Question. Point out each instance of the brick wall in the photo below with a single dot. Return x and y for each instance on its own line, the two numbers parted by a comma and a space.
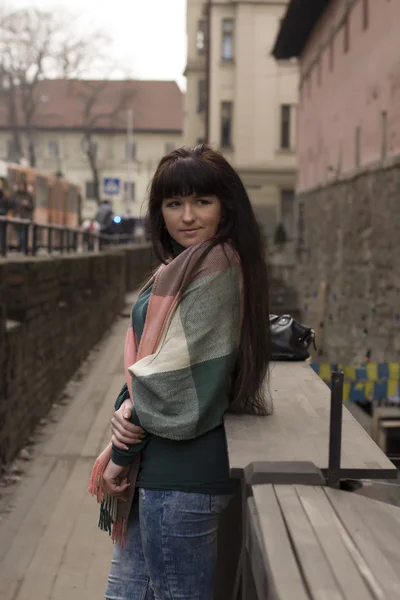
352, 242
52, 312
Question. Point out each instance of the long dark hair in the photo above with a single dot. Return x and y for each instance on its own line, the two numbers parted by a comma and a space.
203, 171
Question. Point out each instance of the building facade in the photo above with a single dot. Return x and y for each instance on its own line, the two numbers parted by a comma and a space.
242, 101
132, 125
349, 173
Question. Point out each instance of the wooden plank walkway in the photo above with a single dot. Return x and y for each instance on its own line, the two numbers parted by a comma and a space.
299, 429
317, 543
50, 546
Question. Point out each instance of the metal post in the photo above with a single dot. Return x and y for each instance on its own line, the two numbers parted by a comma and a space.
49, 240
26, 238
3, 237
34, 238
335, 429
129, 158
207, 10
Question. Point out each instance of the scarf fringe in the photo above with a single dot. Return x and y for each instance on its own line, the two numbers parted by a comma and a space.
119, 531
96, 487
109, 520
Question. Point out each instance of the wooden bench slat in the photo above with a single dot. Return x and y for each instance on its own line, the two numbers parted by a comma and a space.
277, 552
325, 524
316, 568
375, 529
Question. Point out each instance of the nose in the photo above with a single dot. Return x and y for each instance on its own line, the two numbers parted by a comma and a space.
188, 215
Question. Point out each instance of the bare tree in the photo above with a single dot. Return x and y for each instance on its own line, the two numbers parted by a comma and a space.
96, 111
37, 45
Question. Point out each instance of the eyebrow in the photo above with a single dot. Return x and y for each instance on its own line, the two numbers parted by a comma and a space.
180, 197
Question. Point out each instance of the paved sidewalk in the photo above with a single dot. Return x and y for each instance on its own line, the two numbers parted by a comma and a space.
50, 547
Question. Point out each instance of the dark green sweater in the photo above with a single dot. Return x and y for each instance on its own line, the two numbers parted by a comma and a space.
199, 465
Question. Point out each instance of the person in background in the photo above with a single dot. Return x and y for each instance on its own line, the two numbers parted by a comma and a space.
90, 226
23, 207
104, 216
198, 345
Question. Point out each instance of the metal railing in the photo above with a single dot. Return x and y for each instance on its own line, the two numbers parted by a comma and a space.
29, 237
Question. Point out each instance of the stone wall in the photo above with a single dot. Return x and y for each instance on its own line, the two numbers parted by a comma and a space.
352, 242
52, 312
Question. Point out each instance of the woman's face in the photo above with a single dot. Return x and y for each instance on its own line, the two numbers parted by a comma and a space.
191, 219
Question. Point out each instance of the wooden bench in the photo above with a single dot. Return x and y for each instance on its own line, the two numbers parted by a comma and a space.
312, 542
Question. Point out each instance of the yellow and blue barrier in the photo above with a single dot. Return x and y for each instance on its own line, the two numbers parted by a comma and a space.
371, 381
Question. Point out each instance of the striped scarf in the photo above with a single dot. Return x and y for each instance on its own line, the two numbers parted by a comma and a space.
179, 376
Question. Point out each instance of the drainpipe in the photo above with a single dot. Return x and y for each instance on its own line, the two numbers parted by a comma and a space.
208, 71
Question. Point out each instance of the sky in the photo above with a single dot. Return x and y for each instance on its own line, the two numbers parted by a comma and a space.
149, 36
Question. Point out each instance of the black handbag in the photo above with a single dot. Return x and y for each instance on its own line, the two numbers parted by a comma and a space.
290, 340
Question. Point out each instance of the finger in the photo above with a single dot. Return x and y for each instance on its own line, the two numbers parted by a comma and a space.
116, 490
125, 438
130, 435
124, 445
126, 425
119, 444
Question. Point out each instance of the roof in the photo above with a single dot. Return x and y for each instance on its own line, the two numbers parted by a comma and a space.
157, 106
297, 26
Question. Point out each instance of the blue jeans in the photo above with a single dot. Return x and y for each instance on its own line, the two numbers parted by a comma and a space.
171, 548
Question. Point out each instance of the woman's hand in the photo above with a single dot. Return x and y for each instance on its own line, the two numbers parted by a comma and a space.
115, 479
123, 431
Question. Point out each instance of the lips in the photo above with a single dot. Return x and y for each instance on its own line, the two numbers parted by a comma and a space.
189, 230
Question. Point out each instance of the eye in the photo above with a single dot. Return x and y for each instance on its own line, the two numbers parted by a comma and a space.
172, 204
204, 201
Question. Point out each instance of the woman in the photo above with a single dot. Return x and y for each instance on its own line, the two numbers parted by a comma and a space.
198, 346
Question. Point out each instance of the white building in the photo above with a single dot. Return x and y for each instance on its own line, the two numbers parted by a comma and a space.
65, 110
243, 101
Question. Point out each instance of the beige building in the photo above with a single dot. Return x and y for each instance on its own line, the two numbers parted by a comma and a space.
125, 162
243, 101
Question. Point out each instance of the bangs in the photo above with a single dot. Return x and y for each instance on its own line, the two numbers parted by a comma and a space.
187, 177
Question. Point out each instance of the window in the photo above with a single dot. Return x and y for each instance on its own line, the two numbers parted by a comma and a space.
201, 96
384, 134
89, 190
130, 151
12, 153
346, 34
129, 190
226, 124
227, 39
331, 52
53, 149
365, 14
89, 146
201, 37
169, 147
287, 211
357, 147
285, 126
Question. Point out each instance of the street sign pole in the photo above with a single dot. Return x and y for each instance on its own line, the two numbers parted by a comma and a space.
128, 185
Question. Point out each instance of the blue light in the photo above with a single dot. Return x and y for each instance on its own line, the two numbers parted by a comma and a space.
117, 219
